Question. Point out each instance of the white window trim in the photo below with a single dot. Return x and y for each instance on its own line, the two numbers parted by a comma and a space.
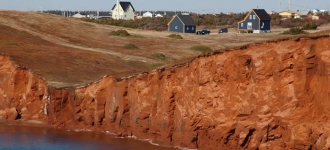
242, 24
250, 17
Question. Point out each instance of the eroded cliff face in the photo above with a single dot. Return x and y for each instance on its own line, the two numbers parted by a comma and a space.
268, 96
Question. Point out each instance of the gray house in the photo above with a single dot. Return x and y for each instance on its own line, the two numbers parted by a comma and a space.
256, 21
182, 24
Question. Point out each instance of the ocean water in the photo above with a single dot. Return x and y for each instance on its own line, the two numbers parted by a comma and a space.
41, 138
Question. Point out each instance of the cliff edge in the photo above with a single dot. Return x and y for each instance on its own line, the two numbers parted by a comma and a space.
272, 95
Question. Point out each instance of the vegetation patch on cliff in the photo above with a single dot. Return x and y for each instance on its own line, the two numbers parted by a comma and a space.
294, 31
123, 33
201, 48
175, 36
130, 46
309, 26
9, 43
159, 56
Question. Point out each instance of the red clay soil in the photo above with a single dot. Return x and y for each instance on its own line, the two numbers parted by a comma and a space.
271, 95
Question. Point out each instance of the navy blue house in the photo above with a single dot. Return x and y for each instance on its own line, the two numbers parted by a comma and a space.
182, 24
257, 20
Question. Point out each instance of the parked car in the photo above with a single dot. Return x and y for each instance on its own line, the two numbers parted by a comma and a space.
203, 32
223, 30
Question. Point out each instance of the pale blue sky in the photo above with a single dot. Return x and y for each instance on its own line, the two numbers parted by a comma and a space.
198, 6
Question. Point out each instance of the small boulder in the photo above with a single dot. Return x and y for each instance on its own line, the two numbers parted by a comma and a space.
10, 114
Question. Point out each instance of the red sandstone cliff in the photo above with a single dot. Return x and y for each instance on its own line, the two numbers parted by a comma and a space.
267, 96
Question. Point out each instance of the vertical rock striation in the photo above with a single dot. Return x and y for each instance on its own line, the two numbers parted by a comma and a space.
268, 96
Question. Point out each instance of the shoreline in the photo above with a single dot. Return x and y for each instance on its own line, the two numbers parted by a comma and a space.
37, 123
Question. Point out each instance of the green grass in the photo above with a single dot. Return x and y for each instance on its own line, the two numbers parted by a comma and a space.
130, 46
175, 36
309, 26
294, 31
159, 56
201, 48
37, 37
9, 44
122, 33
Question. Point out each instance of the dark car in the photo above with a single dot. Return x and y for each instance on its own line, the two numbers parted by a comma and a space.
203, 32
223, 30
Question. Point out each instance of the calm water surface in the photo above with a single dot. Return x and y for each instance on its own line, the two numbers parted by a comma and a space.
40, 138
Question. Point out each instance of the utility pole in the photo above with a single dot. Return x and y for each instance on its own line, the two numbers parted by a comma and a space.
289, 4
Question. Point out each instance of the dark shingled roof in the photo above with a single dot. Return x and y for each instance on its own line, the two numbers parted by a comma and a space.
187, 20
262, 14
124, 5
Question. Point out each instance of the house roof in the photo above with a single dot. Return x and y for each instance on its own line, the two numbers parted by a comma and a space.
262, 14
124, 5
186, 20
299, 12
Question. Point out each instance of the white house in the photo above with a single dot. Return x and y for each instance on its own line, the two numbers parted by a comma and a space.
158, 15
147, 14
79, 15
123, 10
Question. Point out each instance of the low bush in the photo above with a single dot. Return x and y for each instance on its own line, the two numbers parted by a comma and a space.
175, 36
131, 46
201, 48
159, 56
294, 31
120, 33
309, 26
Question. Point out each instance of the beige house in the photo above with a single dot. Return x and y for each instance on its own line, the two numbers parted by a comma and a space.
314, 17
297, 14
123, 10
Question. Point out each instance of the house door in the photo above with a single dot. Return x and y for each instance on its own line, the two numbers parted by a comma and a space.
249, 25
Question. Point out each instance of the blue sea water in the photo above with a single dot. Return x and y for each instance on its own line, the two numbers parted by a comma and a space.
40, 138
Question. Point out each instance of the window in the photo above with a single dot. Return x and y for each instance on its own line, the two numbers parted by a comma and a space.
187, 28
262, 25
192, 28
250, 16
254, 17
249, 25
176, 27
242, 24
125, 16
